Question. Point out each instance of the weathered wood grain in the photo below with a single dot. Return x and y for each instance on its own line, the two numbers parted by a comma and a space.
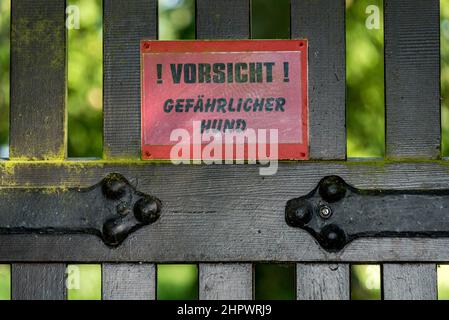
322, 22
222, 19
38, 281
412, 88
38, 79
323, 281
223, 213
129, 281
410, 282
226, 281
126, 23
412, 78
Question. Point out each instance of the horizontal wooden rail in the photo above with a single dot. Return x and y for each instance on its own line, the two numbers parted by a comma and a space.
239, 218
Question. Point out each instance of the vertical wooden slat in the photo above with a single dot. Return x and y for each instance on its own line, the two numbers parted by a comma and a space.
412, 89
38, 79
224, 19
323, 282
226, 281
409, 282
38, 115
412, 78
218, 19
38, 281
129, 282
126, 23
322, 22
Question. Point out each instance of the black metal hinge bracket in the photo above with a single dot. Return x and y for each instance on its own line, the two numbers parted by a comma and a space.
335, 213
112, 209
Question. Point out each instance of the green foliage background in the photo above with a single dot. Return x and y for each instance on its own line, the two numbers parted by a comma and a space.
85, 80
4, 75
270, 19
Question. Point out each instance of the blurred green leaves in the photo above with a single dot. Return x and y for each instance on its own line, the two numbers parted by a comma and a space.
177, 282
5, 282
365, 82
275, 281
365, 282
443, 282
444, 5
176, 19
5, 9
85, 82
88, 282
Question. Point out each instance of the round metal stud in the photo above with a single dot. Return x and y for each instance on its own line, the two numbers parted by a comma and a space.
147, 210
115, 231
332, 189
325, 212
333, 238
298, 213
114, 187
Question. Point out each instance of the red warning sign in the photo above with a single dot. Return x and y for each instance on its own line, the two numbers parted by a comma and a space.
246, 87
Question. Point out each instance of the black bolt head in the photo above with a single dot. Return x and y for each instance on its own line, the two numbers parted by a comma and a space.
333, 238
115, 231
114, 187
332, 189
147, 210
298, 212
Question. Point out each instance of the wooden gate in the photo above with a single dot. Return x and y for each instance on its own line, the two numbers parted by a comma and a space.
223, 217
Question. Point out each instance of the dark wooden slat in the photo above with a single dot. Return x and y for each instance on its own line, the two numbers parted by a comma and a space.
323, 23
323, 282
38, 281
129, 281
223, 214
126, 23
38, 79
410, 282
222, 19
226, 281
412, 78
